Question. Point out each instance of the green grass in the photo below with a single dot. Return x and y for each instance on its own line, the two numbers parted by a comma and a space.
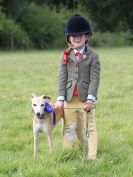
22, 73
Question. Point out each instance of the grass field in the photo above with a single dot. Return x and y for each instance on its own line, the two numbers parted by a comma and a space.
22, 73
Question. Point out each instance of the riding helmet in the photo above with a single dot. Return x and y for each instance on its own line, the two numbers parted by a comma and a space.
77, 25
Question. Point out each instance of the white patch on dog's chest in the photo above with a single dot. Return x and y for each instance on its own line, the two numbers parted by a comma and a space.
42, 127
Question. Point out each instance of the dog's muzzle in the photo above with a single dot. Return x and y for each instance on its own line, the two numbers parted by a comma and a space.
40, 116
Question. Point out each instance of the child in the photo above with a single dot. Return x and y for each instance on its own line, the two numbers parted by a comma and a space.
78, 81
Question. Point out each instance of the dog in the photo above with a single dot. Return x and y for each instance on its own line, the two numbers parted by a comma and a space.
45, 119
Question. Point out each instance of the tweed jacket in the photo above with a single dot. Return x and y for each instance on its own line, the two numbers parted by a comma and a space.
85, 74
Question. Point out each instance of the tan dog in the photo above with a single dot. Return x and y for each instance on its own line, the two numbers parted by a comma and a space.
43, 120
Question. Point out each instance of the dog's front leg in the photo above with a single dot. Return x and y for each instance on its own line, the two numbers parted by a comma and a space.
36, 136
50, 141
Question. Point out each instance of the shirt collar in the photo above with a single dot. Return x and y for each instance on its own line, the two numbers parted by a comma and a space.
80, 50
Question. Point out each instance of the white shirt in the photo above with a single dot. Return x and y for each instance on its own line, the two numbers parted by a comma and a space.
80, 50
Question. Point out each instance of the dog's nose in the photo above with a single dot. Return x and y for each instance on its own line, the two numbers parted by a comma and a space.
38, 113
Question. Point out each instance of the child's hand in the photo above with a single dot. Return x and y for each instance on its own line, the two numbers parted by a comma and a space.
59, 105
89, 105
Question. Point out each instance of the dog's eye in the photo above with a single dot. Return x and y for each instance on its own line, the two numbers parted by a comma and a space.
42, 105
34, 105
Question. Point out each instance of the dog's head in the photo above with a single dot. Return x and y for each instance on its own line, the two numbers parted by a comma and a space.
38, 104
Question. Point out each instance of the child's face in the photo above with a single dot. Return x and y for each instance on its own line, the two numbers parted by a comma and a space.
78, 40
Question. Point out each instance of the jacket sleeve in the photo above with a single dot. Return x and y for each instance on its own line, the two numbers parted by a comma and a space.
94, 76
62, 79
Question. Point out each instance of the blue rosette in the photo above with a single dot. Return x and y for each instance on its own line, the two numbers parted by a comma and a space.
48, 108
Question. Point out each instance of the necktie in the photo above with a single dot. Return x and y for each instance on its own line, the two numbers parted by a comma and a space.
78, 54
76, 91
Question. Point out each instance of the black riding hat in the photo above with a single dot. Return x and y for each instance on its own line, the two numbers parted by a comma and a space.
77, 25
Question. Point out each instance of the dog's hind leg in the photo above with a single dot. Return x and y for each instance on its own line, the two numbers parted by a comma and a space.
63, 127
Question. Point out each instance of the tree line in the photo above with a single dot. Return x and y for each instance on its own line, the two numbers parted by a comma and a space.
40, 23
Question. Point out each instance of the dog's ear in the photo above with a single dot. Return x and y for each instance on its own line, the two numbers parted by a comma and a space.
46, 97
33, 95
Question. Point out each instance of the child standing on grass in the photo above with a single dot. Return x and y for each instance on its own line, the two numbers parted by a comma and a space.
78, 81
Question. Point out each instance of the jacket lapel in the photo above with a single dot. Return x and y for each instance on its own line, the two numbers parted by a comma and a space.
85, 54
72, 56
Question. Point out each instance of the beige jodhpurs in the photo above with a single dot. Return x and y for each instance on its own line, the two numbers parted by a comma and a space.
82, 124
